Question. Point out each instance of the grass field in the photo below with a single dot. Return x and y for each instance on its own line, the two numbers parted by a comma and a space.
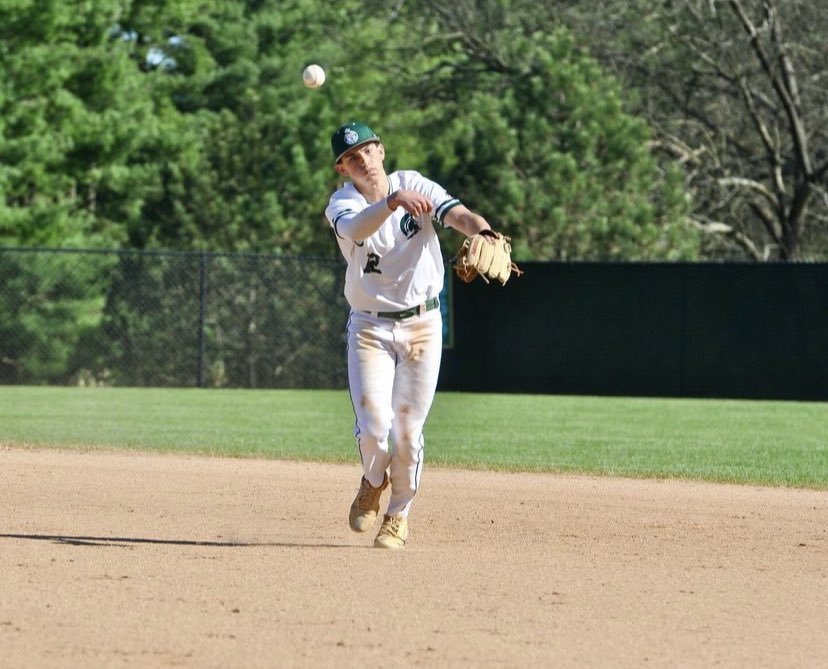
752, 442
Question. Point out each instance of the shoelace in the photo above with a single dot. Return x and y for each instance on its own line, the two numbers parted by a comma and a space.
392, 527
366, 497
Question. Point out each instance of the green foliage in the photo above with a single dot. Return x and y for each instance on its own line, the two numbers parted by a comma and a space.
561, 167
531, 132
261, 175
184, 125
57, 303
217, 320
151, 318
84, 129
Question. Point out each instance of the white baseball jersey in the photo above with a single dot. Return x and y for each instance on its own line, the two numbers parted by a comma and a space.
400, 265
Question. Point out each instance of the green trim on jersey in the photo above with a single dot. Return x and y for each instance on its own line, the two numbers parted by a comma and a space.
444, 209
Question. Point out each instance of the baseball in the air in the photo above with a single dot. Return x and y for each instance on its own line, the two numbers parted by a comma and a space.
313, 76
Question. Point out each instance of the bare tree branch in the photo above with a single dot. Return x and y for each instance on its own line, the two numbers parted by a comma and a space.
752, 185
758, 121
797, 130
785, 63
719, 229
736, 93
771, 223
677, 148
820, 172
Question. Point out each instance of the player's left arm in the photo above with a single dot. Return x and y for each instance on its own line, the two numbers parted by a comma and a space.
462, 219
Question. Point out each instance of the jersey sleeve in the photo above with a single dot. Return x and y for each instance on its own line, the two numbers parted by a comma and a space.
441, 200
342, 207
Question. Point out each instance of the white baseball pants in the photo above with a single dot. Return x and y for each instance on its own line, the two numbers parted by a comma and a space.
393, 367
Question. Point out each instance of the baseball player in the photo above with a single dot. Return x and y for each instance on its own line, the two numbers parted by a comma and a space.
386, 228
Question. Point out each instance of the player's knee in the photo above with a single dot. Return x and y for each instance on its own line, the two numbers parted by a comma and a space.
374, 421
376, 428
408, 448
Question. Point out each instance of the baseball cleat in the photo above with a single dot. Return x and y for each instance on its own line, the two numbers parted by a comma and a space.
393, 533
365, 507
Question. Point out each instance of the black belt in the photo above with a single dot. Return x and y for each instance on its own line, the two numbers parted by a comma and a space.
428, 305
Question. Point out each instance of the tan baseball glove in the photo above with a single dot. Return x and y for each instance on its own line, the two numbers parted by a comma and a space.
487, 254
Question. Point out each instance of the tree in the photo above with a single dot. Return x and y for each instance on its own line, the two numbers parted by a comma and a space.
181, 319
85, 131
51, 303
735, 90
184, 125
261, 175
527, 128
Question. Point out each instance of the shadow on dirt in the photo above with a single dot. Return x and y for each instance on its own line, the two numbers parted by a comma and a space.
124, 542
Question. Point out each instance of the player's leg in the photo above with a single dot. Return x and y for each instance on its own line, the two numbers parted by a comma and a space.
420, 349
371, 379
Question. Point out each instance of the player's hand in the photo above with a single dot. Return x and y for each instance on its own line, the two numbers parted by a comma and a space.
413, 202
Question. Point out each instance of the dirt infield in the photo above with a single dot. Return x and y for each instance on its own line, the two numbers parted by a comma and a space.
113, 559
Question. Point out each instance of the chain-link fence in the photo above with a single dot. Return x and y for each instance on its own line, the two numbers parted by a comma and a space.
131, 318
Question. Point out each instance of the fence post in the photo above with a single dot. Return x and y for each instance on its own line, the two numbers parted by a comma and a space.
202, 306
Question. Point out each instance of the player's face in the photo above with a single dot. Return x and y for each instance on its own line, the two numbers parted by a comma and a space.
362, 163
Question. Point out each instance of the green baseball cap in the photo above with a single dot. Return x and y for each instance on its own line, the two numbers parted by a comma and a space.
350, 135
